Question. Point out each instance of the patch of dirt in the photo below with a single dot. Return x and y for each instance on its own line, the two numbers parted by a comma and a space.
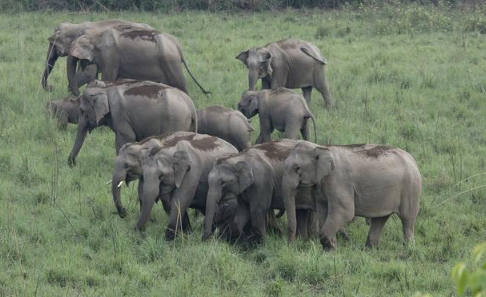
206, 143
147, 35
151, 91
377, 151
274, 151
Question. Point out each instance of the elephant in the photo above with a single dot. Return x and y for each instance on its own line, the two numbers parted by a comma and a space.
130, 52
366, 180
133, 110
60, 45
288, 63
66, 110
279, 109
225, 123
177, 171
254, 177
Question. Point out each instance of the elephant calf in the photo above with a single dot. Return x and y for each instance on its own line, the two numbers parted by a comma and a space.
371, 181
177, 171
225, 123
254, 176
133, 110
66, 110
279, 109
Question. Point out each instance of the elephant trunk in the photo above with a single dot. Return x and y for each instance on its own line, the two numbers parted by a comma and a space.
151, 185
119, 176
325, 92
78, 143
50, 61
252, 78
72, 64
289, 190
213, 198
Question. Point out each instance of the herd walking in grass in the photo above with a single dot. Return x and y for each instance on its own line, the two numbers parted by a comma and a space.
203, 159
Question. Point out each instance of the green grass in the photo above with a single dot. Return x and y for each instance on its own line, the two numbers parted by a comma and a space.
413, 79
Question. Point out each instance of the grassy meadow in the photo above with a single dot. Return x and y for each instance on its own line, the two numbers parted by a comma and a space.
407, 76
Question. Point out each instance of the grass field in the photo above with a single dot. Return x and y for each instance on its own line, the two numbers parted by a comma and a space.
406, 76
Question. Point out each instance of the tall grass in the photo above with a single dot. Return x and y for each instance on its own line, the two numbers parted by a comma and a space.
413, 79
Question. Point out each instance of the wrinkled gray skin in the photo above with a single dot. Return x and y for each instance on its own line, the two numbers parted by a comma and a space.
370, 181
126, 51
279, 109
255, 178
65, 110
60, 45
288, 63
225, 123
179, 175
133, 110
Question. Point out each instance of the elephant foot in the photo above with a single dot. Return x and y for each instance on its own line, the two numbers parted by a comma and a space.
327, 244
122, 213
170, 234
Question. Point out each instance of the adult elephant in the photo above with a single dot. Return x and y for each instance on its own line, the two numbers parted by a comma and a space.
371, 181
64, 35
255, 177
133, 110
288, 63
130, 52
177, 171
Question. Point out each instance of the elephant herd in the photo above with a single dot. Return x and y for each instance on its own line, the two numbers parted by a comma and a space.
203, 159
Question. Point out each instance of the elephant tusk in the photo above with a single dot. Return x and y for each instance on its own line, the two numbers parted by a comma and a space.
108, 182
121, 183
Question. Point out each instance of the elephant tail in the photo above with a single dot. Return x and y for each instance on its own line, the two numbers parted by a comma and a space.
311, 116
195, 80
318, 59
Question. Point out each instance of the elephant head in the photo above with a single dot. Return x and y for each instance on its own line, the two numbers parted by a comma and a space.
163, 172
60, 45
227, 180
81, 49
249, 104
258, 61
92, 110
307, 165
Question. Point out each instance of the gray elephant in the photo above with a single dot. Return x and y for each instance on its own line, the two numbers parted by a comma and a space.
254, 176
279, 109
371, 181
65, 110
225, 123
177, 171
288, 63
61, 40
125, 51
133, 110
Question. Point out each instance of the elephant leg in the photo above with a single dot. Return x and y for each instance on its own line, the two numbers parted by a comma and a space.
258, 223
121, 138
337, 218
178, 211
140, 193
292, 129
266, 129
242, 217
377, 225
265, 84
302, 222
272, 222
305, 129
259, 139
109, 67
321, 213
408, 225
306, 92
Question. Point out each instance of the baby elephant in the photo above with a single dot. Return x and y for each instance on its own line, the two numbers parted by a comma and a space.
66, 110
225, 123
279, 109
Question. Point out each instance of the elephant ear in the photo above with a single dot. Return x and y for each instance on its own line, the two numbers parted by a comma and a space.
82, 48
181, 167
245, 175
324, 162
100, 106
243, 57
267, 63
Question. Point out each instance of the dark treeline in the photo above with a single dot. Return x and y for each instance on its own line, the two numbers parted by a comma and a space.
210, 5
